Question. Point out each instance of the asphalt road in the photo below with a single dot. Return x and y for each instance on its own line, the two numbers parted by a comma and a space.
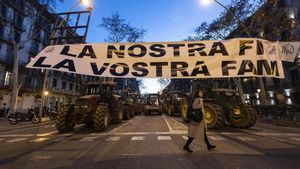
149, 142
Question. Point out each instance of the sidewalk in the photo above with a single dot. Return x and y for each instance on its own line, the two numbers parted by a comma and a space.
5, 126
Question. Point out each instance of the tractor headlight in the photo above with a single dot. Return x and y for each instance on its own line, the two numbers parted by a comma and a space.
84, 106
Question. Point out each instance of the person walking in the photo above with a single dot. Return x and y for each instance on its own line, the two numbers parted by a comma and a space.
197, 129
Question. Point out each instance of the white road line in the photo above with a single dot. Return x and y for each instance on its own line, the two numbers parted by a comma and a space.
185, 137
170, 129
179, 123
39, 140
16, 140
114, 130
88, 139
62, 139
217, 138
246, 138
113, 139
164, 138
46, 134
278, 134
137, 138
297, 139
50, 126
1, 139
17, 135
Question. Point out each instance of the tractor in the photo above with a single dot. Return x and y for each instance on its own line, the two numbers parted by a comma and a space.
98, 108
172, 102
153, 104
221, 103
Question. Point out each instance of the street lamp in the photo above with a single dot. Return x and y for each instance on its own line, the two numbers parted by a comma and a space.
89, 6
46, 93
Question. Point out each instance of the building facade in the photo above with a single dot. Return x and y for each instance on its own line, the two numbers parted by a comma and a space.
30, 24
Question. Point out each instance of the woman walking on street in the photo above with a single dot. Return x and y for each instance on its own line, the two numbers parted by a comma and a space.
197, 129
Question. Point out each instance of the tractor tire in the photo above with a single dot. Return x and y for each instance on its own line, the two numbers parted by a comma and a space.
214, 116
117, 113
126, 112
170, 111
245, 118
184, 106
64, 121
101, 118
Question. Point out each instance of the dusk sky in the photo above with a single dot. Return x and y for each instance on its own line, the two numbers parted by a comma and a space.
164, 20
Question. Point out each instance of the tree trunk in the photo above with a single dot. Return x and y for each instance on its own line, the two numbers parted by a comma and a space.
15, 83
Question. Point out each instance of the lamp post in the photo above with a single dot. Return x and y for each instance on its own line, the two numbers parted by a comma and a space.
238, 80
88, 4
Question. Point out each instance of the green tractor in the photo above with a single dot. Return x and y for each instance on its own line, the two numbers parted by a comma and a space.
97, 109
221, 105
172, 103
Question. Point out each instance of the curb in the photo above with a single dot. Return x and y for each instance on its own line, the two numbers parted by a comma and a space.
25, 127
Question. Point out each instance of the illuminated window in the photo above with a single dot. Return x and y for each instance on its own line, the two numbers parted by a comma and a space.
7, 79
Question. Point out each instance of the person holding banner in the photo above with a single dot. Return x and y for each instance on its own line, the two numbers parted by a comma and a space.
197, 126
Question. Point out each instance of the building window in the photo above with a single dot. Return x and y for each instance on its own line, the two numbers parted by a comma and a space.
54, 83
3, 10
71, 86
63, 86
7, 79
295, 75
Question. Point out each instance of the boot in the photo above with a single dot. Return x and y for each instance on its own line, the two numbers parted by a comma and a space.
186, 147
209, 146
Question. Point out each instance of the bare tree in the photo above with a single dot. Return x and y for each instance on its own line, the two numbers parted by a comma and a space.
163, 82
120, 30
18, 43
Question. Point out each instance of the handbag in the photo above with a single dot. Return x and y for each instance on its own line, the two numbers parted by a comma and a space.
195, 115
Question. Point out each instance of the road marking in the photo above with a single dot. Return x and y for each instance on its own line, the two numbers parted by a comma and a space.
113, 139
62, 139
246, 138
17, 135
50, 126
297, 139
39, 140
47, 134
88, 139
114, 130
141, 133
164, 138
217, 138
277, 139
278, 134
185, 137
170, 129
1, 139
137, 138
16, 140
179, 123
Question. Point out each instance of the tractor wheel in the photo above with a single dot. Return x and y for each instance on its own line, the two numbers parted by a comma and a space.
170, 111
101, 118
214, 116
117, 113
243, 116
126, 112
64, 121
184, 106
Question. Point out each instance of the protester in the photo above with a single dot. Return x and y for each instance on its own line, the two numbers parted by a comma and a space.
197, 129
